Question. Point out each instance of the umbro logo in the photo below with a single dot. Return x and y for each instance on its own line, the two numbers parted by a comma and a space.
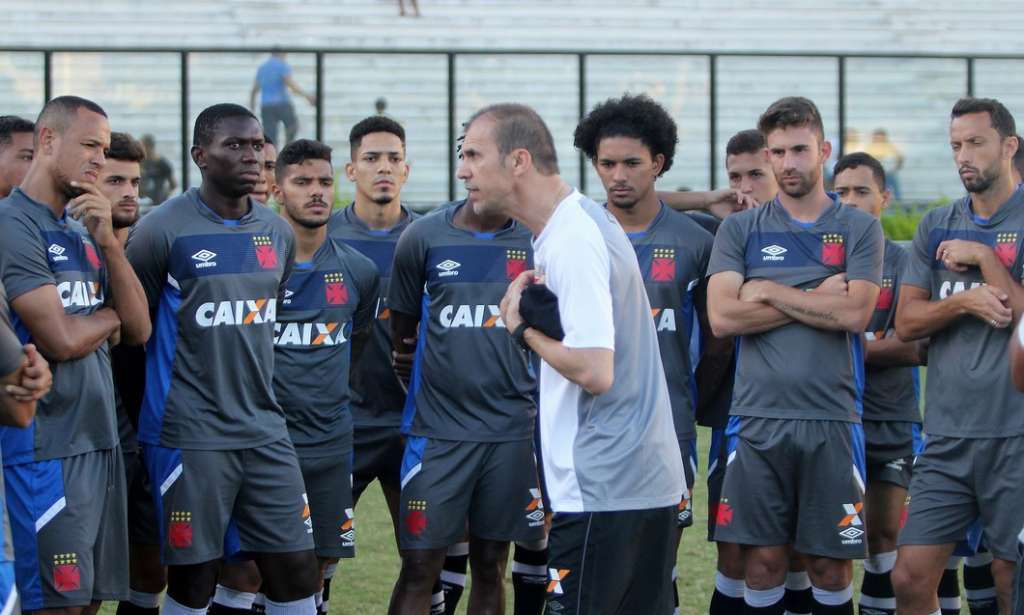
774, 252
851, 533
57, 252
448, 268
204, 259
288, 294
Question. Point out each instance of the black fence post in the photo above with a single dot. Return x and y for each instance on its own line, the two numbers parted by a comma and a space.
713, 121
581, 75
185, 158
841, 86
970, 76
451, 126
47, 76
320, 96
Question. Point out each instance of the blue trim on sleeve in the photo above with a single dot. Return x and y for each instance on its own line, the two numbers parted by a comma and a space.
409, 411
160, 351
857, 359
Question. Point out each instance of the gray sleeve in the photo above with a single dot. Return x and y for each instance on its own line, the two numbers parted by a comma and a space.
289, 263
407, 273
11, 354
148, 250
23, 261
864, 262
729, 250
918, 271
368, 284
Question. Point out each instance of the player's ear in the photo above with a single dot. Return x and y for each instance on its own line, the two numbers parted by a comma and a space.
198, 156
521, 160
659, 164
47, 136
350, 171
826, 149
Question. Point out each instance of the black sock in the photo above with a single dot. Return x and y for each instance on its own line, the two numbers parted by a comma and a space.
529, 580
217, 608
437, 599
799, 598
876, 593
127, 608
979, 585
453, 576
728, 596
949, 589
845, 608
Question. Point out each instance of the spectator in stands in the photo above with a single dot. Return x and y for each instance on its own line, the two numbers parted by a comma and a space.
157, 174
273, 80
16, 151
415, 8
886, 152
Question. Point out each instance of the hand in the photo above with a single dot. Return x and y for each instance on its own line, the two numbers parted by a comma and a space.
311, 99
402, 362
93, 210
958, 254
833, 285
989, 305
510, 302
36, 378
722, 203
115, 338
755, 291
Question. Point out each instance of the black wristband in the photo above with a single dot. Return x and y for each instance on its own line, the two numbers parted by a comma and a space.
519, 335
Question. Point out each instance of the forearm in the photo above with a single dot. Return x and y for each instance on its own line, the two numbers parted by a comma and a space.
732, 317
684, 201
819, 310
74, 337
128, 298
571, 363
921, 318
892, 352
997, 275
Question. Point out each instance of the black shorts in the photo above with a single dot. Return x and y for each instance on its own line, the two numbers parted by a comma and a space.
613, 563
377, 455
143, 525
889, 448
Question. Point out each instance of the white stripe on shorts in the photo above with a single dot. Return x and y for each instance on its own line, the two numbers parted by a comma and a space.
174, 475
12, 602
50, 513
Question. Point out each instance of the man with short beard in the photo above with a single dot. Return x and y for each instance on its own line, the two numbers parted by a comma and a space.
16, 150
961, 290
119, 182
795, 469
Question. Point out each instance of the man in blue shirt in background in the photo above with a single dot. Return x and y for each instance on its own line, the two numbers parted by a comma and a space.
273, 80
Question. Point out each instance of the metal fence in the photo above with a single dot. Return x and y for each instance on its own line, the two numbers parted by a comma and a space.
711, 94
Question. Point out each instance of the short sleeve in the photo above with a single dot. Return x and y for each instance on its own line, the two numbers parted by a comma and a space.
864, 262
728, 252
408, 275
918, 271
23, 260
148, 250
579, 274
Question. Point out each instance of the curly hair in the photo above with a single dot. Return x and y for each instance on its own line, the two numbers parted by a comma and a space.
635, 117
125, 148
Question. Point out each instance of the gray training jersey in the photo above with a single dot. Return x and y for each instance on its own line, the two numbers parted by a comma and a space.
377, 395
616, 450
213, 288
325, 301
968, 393
797, 371
38, 249
470, 381
890, 393
673, 255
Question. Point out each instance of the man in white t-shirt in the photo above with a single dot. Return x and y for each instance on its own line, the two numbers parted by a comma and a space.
607, 440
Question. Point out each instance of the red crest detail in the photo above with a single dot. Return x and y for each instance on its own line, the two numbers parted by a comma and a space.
67, 577
416, 522
663, 269
179, 534
91, 256
514, 266
833, 254
336, 292
723, 516
266, 256
1007, 253
884, 299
